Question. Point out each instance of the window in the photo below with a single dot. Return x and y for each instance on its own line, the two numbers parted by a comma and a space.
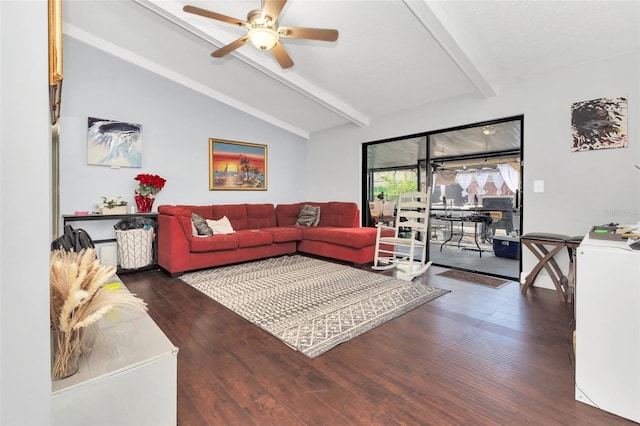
394, 182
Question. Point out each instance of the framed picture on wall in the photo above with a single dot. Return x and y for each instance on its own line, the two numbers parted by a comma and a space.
599, 124
237, 166
114, 143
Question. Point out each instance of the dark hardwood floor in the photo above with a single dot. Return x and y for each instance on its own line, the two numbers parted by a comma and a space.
475, 356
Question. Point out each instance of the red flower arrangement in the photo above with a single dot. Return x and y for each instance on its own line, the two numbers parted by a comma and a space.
149, 184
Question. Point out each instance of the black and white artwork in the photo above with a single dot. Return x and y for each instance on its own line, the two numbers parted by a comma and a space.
114, 143
599, 124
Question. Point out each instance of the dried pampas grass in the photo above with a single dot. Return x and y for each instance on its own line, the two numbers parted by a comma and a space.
79, 299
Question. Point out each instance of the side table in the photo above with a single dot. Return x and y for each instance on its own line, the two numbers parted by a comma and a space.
115, 217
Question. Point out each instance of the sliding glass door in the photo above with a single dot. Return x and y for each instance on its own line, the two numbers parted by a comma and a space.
475, 176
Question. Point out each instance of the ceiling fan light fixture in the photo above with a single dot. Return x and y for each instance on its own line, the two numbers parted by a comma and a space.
263, 30
263, 38
488, 130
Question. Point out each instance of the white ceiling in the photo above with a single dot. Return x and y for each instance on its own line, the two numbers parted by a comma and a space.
391, 55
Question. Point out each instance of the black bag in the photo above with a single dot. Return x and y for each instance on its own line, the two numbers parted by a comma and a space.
73, 239
136, 222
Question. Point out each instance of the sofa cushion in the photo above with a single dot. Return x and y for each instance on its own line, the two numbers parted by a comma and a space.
287, 214
350, 237
214, 243
253, 238
308, 216
261, 216
183, 214
340, 213
283, 234
333, 213
237, 214
204, 211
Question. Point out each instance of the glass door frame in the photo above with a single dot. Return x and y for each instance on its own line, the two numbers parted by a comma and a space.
423, 165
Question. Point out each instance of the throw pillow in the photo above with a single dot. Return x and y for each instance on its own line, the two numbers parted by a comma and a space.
309, 216
317, 221
221, 226
201, 224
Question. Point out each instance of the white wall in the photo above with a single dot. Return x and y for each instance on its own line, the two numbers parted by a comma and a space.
176, 125
581, 189
25, 386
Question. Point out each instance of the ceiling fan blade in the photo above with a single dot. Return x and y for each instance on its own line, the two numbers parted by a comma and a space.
213, 15
282, 56
308, 33
273, 8
230, 47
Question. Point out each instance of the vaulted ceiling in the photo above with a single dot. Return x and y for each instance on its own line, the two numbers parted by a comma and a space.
391, 55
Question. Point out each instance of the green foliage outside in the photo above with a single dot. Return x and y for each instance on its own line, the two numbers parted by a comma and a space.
393, 183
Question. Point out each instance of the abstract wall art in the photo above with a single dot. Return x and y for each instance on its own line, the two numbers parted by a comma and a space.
599, 124
114, 143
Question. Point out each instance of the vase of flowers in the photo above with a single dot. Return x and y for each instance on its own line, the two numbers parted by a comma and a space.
79, 298
149, 186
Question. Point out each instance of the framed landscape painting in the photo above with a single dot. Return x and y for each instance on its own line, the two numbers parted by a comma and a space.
237, 166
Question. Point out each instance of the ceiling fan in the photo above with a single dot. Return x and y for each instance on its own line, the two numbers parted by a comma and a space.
264, 31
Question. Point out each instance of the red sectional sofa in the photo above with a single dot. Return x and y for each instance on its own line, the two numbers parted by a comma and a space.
261, 230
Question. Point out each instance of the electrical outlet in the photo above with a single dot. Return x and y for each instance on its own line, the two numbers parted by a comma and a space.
109, 255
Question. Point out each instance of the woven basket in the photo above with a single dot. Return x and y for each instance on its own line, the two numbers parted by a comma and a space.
135, 247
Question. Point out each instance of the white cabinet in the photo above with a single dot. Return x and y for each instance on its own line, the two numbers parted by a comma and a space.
608, 327
128, 378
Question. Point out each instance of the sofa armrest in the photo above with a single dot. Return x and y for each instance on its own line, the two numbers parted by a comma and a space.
173, 245
174, 210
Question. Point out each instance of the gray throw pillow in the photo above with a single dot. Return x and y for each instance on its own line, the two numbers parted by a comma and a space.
201, 225
309, 216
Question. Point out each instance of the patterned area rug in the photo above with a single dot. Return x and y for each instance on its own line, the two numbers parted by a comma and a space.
310, 304
470, 277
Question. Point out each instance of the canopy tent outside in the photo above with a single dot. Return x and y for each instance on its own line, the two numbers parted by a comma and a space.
505, 173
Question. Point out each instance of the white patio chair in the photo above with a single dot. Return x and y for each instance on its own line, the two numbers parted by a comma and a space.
407, 248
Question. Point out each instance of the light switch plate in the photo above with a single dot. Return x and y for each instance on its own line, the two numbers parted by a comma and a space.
538, 186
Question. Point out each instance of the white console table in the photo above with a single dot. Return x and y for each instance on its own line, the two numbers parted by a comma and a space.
608, 327
128, 378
